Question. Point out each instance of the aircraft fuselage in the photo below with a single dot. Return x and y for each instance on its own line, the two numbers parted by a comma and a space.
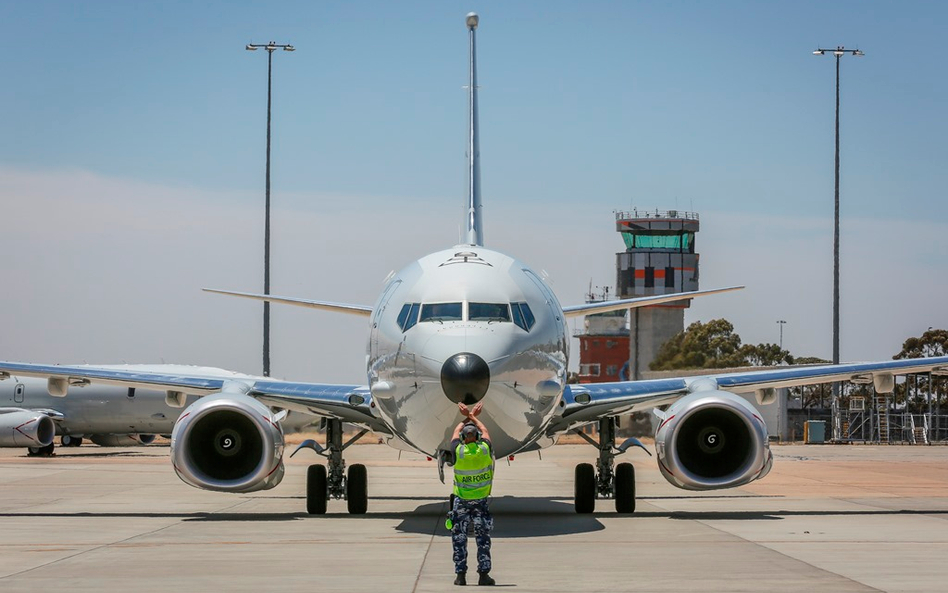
468, 324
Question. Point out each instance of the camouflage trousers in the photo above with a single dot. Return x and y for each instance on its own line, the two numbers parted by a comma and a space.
476, 513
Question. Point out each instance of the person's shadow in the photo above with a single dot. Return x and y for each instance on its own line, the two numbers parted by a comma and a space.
513, 517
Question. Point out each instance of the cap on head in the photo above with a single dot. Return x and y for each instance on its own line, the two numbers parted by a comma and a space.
468, 431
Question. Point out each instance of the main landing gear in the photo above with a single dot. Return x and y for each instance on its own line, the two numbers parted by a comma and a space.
68, 440
604, 480
332, 481
46, 451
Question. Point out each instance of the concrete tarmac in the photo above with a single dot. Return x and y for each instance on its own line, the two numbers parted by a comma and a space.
827, 518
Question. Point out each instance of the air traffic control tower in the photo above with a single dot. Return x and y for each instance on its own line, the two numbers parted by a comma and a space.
659, 258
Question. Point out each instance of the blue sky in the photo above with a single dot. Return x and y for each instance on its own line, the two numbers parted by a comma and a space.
151, 116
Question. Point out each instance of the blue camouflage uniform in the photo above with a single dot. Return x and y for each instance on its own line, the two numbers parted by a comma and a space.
471, 511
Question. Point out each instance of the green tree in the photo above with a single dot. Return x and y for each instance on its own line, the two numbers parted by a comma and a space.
810, 360
714, 345
933, 342
915, 390
811, 396
765, 355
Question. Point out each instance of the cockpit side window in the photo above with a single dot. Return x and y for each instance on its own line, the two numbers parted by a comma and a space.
403, 315
523, 316
528, 317
488, 312
441, 312
412, 316
517, 316
408, 316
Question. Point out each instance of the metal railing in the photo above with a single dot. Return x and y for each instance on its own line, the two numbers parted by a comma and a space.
887, 426
636, 213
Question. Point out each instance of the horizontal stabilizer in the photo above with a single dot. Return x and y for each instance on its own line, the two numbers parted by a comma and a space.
659, 299
325, 305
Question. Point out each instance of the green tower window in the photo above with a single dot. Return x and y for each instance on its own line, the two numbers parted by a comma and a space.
634, 241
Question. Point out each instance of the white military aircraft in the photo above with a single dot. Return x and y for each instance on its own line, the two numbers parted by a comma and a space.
107, 415
468, 324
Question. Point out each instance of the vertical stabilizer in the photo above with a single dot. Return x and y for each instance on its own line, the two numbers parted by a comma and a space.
475, 229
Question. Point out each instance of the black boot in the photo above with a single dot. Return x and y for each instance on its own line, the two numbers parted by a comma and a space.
484, 579
461, 579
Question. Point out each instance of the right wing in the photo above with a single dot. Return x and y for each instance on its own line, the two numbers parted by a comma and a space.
648, 301
588, 402
324, 305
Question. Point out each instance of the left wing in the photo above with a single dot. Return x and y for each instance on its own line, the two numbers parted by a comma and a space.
592, 401
349, 403
324, 305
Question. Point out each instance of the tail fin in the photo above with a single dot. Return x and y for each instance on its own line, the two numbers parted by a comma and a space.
475, 229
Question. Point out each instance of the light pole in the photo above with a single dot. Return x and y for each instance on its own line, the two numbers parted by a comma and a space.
270, 47
781, 323
839, 52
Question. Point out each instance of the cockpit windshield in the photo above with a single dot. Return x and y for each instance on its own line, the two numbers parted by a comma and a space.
412, 313
441, 312
488, 312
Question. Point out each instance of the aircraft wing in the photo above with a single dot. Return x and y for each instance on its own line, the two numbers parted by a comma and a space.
324, 305
591, 401
349, 403
659, 299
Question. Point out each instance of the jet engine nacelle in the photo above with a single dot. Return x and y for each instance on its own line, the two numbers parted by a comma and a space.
228, 442
22, 428
711, 440
122, 440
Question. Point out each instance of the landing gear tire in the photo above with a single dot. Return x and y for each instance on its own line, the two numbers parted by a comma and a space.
625, 488
46, 451
357, 489
316, 490
584, 491
70, 441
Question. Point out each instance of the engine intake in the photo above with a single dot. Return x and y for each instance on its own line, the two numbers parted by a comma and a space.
22, 428
712, 440
228, 442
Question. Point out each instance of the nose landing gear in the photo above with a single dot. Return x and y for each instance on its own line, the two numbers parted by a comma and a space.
605, 481
331, 480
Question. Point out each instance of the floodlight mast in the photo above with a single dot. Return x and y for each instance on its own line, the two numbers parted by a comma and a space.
839, 52
270, 47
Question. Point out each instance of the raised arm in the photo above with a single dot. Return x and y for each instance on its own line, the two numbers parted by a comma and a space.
457, 431
472, 416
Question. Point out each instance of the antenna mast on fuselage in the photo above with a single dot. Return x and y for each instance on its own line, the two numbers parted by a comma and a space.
475, 230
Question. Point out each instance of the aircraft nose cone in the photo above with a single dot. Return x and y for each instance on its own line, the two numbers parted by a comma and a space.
465, 378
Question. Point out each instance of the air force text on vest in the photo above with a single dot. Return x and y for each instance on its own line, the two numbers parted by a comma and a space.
482, 477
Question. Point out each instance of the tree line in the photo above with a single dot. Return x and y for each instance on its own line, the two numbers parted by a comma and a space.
715, 345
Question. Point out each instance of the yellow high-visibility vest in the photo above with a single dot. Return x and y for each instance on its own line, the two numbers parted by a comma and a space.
473, 470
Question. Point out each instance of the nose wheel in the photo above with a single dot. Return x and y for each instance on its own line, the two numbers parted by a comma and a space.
605, 480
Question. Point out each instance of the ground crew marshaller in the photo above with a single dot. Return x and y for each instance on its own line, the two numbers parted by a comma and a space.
473, 473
